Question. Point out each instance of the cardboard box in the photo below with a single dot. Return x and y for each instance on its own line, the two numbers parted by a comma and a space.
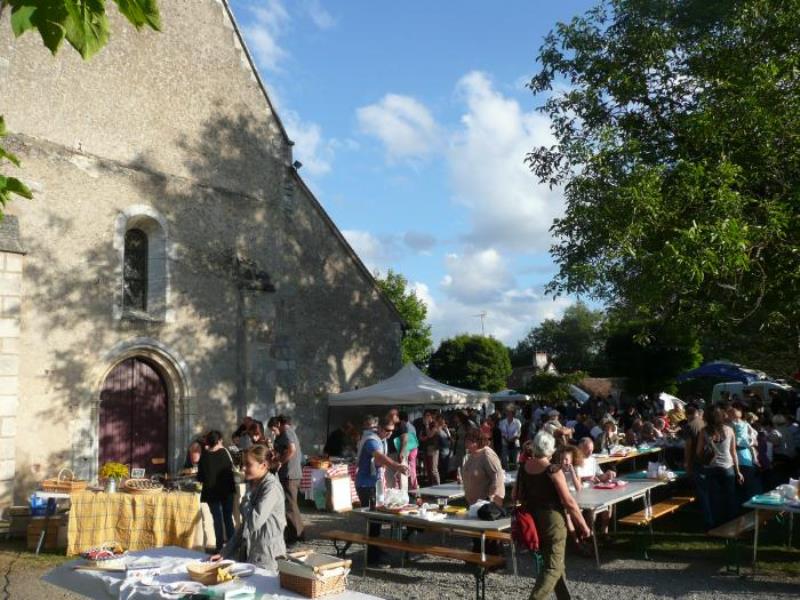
56, 536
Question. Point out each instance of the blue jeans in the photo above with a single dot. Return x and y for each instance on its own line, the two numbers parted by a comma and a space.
222, 513
366, 497
752, 483
721, 493
701, 491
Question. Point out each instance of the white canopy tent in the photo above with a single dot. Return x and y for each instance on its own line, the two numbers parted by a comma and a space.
578, 394
509, 396
409, 387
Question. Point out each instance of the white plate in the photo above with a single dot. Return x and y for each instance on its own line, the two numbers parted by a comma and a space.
183, 587
242, 570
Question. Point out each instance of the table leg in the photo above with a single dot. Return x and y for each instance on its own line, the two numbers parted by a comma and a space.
366, 549
514, 556
483, 545
49, 511
755, 543
594, 539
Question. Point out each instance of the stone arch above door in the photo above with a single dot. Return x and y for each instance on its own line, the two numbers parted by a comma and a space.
175, 374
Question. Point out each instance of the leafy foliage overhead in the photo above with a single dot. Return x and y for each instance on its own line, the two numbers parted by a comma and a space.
417, 344
84, 24
650, 365
472, 361
10, 185
676, 125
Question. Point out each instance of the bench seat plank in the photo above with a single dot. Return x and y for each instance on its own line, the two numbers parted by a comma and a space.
739, 526
466, 556
666, 507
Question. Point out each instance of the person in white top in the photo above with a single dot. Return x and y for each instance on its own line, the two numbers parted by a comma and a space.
510, 430
590, 472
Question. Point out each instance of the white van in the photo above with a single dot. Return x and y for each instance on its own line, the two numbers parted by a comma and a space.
762, 388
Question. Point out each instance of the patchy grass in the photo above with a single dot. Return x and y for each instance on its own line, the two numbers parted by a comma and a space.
678, 536
17, 550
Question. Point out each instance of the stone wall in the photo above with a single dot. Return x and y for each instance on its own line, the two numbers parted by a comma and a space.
200, 147
10, 291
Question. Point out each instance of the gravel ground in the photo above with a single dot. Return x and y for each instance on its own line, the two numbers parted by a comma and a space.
617, 579
620, 578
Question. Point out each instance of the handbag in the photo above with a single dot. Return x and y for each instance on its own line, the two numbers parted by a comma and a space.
491, 512
238, 475
523, 529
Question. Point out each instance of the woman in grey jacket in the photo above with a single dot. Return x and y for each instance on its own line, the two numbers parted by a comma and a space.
259, 538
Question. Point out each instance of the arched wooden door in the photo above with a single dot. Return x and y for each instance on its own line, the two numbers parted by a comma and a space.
133, 417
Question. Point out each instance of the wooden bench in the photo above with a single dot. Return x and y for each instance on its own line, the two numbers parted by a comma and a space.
483, 565
644, 518
732, 532
662, 509
504, 537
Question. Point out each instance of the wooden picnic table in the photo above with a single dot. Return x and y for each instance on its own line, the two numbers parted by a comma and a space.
785, 507
605, 459
596, 501
453, 490
449, 524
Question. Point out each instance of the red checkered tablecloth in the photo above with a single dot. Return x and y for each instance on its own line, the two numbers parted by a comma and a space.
313, 478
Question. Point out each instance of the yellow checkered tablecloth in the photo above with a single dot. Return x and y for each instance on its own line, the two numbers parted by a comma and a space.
137, 522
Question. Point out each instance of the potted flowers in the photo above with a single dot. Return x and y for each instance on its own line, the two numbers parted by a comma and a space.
112, 472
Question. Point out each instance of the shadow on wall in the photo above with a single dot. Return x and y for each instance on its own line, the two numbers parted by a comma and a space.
324, 327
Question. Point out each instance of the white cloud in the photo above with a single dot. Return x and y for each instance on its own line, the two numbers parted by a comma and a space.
319, 15
478, 276
310, 148
404, 126
423, 292
376, 252
268, 25
508, 209
508, 318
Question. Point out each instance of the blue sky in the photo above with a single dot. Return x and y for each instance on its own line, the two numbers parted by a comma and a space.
412, 122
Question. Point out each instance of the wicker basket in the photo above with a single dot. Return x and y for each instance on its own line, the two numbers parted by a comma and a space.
314, 588
319, 462
206, 572
319, 576
63, 485
150, 489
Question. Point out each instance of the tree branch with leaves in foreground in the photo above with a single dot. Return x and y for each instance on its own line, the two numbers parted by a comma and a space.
85, 26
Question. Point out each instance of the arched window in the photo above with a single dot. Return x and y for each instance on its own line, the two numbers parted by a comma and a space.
135, 270
143, 290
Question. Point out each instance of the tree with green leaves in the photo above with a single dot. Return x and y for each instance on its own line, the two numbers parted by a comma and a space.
417, 343
573, 342
675, 126
84, 25
471, 361
651, 364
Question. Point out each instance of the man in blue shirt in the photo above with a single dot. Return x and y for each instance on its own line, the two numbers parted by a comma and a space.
372, 461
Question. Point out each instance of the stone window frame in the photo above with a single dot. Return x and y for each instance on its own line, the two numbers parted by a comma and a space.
160, 253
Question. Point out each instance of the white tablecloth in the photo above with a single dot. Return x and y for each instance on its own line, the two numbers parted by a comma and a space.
172, 561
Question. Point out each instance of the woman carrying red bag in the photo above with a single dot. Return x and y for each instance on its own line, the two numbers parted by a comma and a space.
542, 491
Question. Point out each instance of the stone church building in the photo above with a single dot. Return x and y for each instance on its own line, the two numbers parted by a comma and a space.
173, 272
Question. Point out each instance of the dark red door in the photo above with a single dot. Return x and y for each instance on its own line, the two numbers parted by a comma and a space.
133, 417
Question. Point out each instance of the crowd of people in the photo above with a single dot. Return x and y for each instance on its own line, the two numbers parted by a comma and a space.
730, 450
270, 464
